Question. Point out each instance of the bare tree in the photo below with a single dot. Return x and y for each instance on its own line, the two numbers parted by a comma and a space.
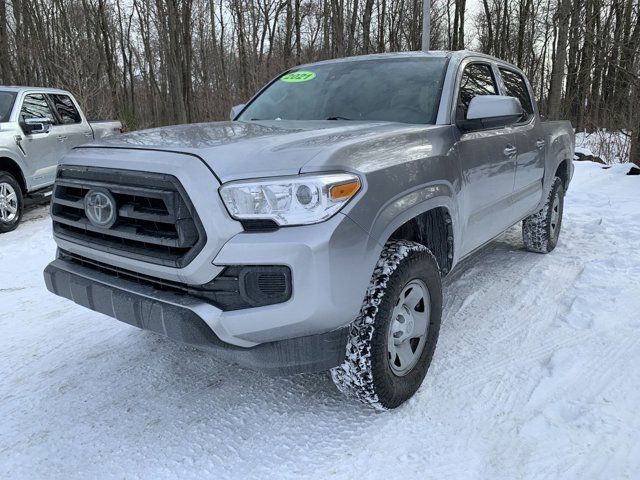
154, 62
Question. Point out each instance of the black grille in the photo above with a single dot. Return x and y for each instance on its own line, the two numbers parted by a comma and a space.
259, 225
272, 283
235, 288
156, 221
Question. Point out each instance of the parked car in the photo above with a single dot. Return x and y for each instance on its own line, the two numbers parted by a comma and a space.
38, 126
312, 232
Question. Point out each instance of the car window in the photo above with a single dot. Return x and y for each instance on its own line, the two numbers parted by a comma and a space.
515, 86
35, 105
67, 111
403, 90
477, 79
6, 104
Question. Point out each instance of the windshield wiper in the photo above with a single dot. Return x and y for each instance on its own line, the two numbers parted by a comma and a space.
338, 118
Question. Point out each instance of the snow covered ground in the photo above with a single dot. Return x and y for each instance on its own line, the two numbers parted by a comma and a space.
536, 375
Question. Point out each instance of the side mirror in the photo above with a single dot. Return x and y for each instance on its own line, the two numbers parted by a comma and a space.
491, 111
34, 126
235, 111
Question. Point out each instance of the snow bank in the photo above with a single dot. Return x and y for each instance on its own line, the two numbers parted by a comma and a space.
536, 375
612, 147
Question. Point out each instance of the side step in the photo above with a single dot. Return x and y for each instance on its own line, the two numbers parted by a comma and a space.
39, 197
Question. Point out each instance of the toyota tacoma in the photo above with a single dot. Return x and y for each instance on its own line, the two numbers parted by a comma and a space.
312, 231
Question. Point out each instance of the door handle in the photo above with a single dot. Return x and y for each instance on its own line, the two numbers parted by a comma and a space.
62, 138
510, 151
540, 143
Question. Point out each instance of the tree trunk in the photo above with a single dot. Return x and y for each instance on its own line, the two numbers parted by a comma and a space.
5, 72
557, 70
366, 26
487, 14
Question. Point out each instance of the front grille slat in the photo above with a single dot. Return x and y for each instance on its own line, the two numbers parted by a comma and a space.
78, 204
116, 188
130, 233
156, 221
148, 214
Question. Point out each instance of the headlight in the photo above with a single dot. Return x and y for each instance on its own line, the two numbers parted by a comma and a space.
297, 200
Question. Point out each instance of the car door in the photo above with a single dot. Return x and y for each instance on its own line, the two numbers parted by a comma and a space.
530, 143
73, 129
487, 163
41, 150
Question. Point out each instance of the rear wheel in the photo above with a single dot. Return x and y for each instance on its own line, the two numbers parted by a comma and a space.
392, 341
11, 203
540, 231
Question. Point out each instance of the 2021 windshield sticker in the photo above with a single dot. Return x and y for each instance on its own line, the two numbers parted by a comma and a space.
297, 77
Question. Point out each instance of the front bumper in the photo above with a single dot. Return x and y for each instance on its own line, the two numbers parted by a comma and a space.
330, 263
178, 317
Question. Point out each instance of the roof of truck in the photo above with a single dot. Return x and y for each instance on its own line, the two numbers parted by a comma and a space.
459, 54
19, 88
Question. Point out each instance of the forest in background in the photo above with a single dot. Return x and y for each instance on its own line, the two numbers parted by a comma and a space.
160, 62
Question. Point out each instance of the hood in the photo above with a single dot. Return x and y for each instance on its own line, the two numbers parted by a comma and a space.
239, 150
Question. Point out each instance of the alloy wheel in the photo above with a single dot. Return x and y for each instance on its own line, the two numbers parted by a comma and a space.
8, 203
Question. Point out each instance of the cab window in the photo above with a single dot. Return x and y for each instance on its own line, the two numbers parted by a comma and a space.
477, 79
515, 86
67, 111
35, 105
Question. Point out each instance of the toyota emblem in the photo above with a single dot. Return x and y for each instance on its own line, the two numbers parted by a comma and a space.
100, 208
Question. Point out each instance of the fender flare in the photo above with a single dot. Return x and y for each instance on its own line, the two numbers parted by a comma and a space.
560, 150
403, 208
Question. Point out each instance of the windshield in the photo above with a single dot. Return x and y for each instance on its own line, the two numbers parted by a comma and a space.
403, 90
6, 104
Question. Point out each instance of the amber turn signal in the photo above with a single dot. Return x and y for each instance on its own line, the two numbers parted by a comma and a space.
345, 190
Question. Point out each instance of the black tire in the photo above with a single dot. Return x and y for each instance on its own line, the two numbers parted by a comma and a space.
367, 373
540, 231
12, 221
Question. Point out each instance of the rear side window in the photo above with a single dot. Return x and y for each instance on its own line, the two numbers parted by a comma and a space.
67, 111
515, 86
35, 105
477, 79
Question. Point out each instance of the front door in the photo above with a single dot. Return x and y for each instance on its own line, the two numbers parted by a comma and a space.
42, 150
487, 163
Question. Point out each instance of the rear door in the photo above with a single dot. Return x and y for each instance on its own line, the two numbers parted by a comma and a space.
42, 149
487, 163
73, 129
530, 143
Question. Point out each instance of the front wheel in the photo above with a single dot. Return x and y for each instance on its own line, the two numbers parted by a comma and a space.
11, 203
392, 341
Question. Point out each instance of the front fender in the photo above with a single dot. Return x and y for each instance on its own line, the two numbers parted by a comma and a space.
408, 205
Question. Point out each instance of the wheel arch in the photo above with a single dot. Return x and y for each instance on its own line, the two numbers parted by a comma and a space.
9, 165
563, 173
433, 229
431, 222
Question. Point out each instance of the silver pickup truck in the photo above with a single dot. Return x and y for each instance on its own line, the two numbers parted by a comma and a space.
312, 231
38, 126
